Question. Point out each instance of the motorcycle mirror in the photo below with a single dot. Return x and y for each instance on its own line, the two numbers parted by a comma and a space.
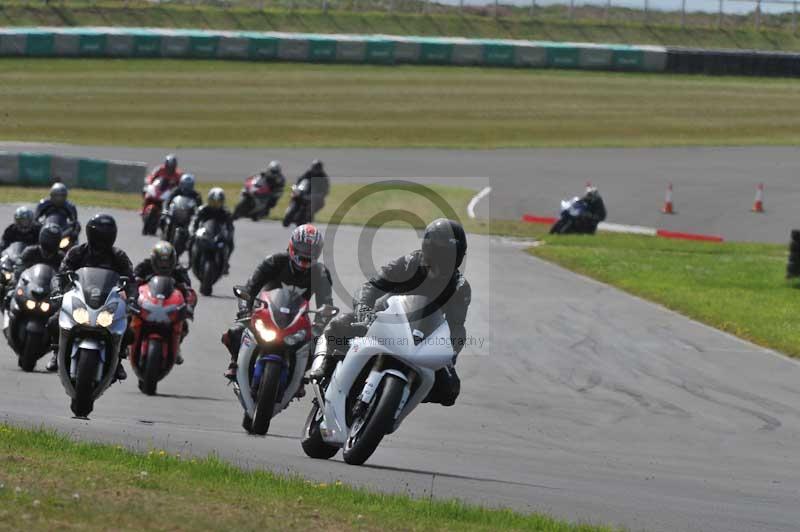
327, 311
240, 292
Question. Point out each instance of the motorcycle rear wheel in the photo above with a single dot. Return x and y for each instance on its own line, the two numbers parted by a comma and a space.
377, 422
313, 444
207, 282
267, 394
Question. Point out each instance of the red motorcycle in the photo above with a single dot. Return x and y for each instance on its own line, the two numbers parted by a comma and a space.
157, 322
156, 194
255, 200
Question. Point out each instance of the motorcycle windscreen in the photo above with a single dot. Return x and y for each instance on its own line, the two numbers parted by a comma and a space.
161, 285
14, 250
212, 229
422, 313
58, 218
97, 283
285, 304
37, 279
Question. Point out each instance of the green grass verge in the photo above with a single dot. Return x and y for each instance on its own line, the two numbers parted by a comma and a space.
372, 211
206, 103
48, 482
735, 287
550, 24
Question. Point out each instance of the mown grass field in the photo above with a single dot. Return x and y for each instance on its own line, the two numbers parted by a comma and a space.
48, 482
201, 103
738, 288
416, 200
624, 26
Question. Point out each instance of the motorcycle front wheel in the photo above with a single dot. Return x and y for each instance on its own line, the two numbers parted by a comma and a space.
88, 362
152, 369
367, 431
267, 393
29, 356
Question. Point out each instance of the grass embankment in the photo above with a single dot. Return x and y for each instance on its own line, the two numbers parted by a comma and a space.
417, 200
202, 103
49, 482
736, 287
624, 26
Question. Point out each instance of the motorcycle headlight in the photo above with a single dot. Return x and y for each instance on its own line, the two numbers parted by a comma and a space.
45, 306
30, 304
265, 333
105, 318
296, 338
80, 315
64, 242
7, 275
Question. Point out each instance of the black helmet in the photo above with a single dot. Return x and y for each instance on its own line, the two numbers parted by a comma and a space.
316, 166
58, 194
444, 245
163, 258
50, 239
171, 162
101, 232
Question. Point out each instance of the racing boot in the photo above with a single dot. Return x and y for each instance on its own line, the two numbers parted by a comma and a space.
230, 373
120, 374
323, 365
52, 364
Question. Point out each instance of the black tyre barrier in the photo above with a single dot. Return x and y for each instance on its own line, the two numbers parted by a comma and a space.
793, 267
732, 62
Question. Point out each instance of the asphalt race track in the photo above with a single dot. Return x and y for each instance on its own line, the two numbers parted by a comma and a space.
583, 402
714, 187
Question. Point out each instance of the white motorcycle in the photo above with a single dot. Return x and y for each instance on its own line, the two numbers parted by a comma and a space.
92, 322
383, 377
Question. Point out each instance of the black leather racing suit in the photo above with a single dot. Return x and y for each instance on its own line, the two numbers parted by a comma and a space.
13, 233
193, 194
596, 213
320, 186
33, 255
408, 275
46, 207
276, 184
273, 272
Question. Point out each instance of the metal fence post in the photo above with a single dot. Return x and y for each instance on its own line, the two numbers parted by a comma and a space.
646, 11
719, 14
572, 9
496, 8
683, 13
461, 6
533, 7
758, 15
794, 17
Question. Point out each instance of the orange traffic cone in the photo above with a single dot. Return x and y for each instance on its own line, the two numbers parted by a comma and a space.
668, 207
758, 204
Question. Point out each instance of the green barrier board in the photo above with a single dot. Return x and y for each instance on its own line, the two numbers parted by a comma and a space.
91, 44
435, 53
263, 48
563, 57
498, 54
34, 169
381, 52
92, 174
321, 50
39, 44
628, 59
203, 46
146, 45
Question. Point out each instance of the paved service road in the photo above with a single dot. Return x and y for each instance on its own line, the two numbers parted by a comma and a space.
714, 187
583, 402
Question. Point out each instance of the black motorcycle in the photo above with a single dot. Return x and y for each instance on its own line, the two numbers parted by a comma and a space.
8, 262
300, 210
575, 218
69, 229
175, 229
28, 312
207, 255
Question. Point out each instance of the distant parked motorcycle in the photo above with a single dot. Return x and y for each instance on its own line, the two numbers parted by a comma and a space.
92, 322
207, 254
176, 222
25, 323
274, 353
255, 200
155, 195
385, 375
157, 323
574, 219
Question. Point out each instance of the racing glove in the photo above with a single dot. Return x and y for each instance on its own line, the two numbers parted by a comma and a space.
365, 314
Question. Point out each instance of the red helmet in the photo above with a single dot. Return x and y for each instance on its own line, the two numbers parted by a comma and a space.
305, 246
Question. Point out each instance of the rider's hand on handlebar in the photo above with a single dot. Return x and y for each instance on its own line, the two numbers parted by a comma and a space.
365, 315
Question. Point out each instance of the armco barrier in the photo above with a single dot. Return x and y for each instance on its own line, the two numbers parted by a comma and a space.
377, 49
41, 169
